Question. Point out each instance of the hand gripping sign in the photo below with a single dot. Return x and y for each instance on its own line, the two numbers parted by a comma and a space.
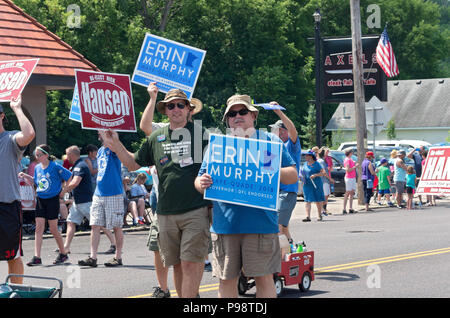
14, 75
435, 178
169, 63
244, 171
105, 101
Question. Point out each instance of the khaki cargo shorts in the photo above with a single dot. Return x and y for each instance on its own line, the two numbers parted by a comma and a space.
184, 237
256, 254
153, 234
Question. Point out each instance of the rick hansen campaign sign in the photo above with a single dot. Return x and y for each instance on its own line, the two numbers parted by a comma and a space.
244, 171
170, 64
435, 178
105, 101
14, 75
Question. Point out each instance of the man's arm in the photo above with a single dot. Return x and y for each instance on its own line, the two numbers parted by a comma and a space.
26, 134
90, 166
292, 131
401, 164
111, 140
288, 175
70, 185
410, 154
147, 117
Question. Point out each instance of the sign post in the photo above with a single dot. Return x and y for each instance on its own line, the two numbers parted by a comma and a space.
380, 116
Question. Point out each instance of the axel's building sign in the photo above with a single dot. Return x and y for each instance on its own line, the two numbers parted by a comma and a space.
337, 62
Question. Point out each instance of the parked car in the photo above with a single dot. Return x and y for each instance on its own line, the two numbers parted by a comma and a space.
405, 144
385, 152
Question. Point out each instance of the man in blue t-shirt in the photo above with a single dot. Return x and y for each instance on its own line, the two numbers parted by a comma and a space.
285, 129
107, 209
246, 237
82, 188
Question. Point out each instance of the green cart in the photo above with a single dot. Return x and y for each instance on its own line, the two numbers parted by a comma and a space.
10, 290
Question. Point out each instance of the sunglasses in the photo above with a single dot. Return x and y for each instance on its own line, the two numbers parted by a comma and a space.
172, 106
242, 112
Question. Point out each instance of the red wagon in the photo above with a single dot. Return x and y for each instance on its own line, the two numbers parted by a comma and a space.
298, 268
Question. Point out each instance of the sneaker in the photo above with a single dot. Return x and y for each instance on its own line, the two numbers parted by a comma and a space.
319, 219
159, 293
114, 262
57, 251
390, 204
324, 213
307, 219
208, 267
112, 250
88, 262
141, 222
344, 212
35, 261
351, 211
61, 258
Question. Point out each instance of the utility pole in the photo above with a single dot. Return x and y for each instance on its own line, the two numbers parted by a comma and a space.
358, 87
317, 61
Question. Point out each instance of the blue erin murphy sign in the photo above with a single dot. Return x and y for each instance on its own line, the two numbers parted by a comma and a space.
244, 171
75, 113
170, 64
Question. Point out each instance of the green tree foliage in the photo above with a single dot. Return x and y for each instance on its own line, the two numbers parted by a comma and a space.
308, 130
256, 47
390, 129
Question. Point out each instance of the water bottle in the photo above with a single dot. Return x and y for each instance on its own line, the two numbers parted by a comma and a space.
303, 246
299, 248
293, 248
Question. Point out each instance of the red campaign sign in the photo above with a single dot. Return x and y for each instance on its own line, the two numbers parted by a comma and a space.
14, 75
27, 196
435, 178
105, 101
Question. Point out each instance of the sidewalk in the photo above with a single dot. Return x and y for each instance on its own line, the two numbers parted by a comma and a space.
139, 228
336, 206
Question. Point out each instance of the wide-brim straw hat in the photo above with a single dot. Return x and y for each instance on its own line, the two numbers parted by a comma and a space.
195, 104
240, 100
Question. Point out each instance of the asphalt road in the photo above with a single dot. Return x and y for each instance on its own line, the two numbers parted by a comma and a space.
383, 254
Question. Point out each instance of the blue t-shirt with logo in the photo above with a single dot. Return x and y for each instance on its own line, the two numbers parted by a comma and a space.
295, 151
238, 219
83, 192
48, 181
109, 178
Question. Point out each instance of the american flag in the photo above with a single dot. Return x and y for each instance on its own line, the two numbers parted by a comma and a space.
385, 56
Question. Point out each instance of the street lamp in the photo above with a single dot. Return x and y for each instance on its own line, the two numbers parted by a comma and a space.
317, 18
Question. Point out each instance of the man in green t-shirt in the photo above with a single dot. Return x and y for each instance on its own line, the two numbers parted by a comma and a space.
384, 181
177, 153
